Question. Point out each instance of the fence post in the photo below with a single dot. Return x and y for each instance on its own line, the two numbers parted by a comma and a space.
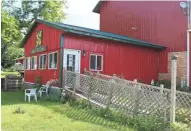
74, 85
161, 88
162, 100
90, 88
173, 88
110, 91
136, 97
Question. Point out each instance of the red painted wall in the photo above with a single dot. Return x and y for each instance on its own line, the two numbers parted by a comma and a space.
161, 22
133, 62
51, 38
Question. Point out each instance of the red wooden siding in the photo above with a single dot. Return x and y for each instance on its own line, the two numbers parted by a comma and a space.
131, 61
161, 22
134, 62
51, 38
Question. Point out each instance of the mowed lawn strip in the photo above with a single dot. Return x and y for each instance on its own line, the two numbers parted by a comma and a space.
49, 116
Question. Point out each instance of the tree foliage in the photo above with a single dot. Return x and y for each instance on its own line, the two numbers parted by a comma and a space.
16, 21
13, 53
51, 10
10, 35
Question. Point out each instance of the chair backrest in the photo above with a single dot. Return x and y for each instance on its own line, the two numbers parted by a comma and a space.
47, 85
33, 91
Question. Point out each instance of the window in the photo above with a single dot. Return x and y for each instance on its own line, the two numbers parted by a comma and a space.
34, 62
96, 62
42, 61
52, 60
27, 63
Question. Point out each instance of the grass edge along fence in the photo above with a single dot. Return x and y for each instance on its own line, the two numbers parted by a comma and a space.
126, 96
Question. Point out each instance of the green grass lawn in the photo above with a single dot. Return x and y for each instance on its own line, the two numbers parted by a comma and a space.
49, 116
3, 74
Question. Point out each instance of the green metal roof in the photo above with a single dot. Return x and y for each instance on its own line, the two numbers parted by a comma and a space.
97, 7
92, 33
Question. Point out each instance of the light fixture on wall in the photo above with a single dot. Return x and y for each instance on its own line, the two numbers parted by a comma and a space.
134, 28
83, 52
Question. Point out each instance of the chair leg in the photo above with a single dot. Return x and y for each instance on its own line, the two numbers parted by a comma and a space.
35, 97
25, 97
29, 98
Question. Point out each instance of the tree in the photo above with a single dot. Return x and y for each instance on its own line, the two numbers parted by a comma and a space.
16, 21
51, 10
10, 34
13, 53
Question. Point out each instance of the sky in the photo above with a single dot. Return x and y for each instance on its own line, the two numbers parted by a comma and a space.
80, 13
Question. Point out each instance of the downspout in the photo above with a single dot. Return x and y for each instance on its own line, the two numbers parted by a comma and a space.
188, 57
61, 60
188, 41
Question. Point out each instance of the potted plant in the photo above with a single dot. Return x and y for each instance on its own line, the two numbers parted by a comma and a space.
38, 83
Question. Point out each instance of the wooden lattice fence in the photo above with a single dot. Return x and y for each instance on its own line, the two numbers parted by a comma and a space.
125, 96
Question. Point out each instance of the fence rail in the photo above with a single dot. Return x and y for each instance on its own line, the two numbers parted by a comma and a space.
126, 96
183, 99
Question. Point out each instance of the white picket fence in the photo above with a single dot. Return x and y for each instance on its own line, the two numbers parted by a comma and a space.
126, 96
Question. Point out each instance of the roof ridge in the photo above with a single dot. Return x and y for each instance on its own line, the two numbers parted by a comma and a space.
95, 33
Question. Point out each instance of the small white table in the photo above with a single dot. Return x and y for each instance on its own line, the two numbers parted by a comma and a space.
31, 92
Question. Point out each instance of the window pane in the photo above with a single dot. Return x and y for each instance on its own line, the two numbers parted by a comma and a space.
41, 61
50, 60
55, 60
44, 61
92, 62
28, 63
99, 63
32, 62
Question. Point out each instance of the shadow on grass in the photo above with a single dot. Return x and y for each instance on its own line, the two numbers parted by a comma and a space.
77, 114
18, 97
90, 117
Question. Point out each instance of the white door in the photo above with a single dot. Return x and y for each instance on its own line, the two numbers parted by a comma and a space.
72, 60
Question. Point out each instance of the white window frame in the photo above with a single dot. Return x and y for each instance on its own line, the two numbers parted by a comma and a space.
45, 62
49, 59
31, 63
28, 64
96, 62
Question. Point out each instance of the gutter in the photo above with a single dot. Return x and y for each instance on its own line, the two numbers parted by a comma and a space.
188, 57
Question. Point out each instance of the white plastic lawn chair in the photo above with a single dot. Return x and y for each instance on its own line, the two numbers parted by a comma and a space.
44, 89
31, 92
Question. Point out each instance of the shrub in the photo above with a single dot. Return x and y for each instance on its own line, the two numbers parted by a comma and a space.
141, 123
38, 82
179, 127
19, 111
166, 83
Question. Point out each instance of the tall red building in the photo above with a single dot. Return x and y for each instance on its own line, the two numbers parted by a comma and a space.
161, 22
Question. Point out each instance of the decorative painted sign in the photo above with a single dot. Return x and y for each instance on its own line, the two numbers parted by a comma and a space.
38, 49
39, 37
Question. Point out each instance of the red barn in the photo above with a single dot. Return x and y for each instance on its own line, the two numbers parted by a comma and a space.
161, 22
50, 46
